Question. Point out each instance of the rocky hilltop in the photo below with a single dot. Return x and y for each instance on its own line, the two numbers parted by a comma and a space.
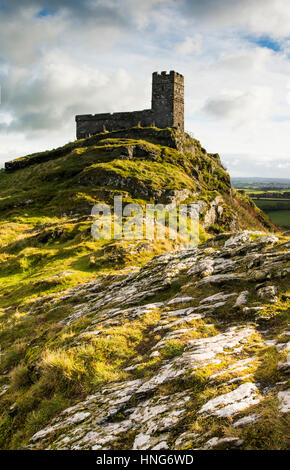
144, 164
138, 345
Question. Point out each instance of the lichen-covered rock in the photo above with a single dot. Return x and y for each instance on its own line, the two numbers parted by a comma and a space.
230, 403
238, 240
246, 420
214, 212
268, 293
284, 400
242, 299
229, 442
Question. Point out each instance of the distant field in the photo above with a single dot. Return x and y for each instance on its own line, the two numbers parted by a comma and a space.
280, 218
263, 191
280, 204
261, 184
267, 193
278, 210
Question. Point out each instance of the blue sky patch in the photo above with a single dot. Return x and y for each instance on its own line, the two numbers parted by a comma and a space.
266, 41
46, 12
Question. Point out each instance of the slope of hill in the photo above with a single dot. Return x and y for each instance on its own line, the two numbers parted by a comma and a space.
74, 313
195, 344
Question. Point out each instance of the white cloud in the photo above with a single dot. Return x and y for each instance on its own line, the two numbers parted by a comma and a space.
251, 106
191, 44
259, 17
62, 89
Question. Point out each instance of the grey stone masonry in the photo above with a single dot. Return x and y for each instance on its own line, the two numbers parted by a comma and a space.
167, 109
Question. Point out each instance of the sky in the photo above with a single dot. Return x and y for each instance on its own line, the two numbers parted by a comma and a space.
59, 58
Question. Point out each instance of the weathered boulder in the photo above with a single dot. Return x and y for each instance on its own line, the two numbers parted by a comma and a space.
230, 403
268, 293
214, 212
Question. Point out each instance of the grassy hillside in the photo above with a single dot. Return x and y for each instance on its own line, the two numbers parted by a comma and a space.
46, 249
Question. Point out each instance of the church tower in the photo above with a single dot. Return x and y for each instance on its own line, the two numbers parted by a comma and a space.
168, 99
